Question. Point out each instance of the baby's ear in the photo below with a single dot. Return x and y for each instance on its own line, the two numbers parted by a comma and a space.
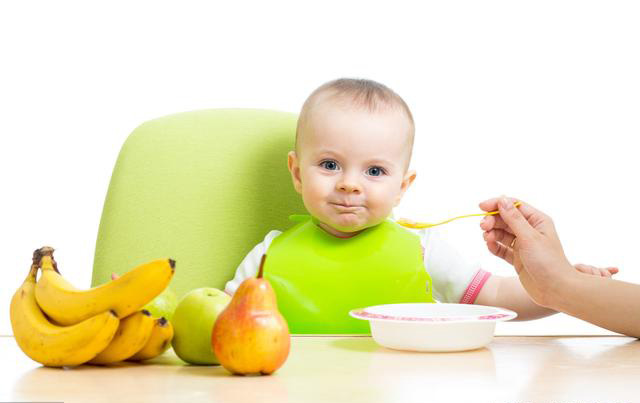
294, 168
407, 180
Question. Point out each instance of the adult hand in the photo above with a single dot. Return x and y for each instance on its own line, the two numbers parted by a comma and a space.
499, 237
527, 238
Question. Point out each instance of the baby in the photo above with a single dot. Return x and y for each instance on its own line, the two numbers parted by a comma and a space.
353, 146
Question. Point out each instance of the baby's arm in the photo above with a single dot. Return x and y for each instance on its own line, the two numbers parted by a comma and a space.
455, 277
507, 292
459, 280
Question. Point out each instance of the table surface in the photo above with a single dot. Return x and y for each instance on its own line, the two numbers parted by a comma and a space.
354, 369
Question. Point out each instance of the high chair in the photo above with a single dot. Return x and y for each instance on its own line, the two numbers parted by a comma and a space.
202, 188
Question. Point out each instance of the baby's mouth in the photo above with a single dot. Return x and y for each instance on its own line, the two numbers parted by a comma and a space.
347, 208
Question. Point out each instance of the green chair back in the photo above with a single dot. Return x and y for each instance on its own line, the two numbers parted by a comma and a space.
200, 187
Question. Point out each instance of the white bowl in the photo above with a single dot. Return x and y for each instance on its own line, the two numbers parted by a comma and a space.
433, 327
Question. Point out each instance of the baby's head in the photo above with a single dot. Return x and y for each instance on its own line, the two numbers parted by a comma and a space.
353, 148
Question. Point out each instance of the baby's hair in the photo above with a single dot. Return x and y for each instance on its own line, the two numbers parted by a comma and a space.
356, 92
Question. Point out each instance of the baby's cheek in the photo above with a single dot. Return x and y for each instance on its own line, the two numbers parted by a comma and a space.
310, 202
384, 198
380, 209
314, 202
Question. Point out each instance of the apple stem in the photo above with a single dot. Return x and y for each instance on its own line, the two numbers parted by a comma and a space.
260, 271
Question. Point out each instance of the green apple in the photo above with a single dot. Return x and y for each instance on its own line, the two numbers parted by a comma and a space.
193, 322
163, 305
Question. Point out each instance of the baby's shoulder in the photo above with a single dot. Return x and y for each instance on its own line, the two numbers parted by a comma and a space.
431, 238
271, 235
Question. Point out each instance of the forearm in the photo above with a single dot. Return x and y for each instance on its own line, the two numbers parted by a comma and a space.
611, 304
507, 292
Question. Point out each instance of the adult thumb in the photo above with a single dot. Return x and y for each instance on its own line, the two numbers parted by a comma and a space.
514, 218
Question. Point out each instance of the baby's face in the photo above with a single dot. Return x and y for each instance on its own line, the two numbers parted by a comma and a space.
352, 166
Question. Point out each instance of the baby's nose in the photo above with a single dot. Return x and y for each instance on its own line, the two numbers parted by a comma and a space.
349, 185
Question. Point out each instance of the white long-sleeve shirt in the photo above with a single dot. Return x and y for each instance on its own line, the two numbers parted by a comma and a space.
455, 279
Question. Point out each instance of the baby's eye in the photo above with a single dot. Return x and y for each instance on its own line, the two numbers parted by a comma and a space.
376, 171
329, 164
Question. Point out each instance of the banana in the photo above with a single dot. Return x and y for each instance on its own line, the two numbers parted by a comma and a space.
132, 335
67, 305
158, 343
52, 345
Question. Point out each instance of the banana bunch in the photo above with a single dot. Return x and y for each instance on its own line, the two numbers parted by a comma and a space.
59, 325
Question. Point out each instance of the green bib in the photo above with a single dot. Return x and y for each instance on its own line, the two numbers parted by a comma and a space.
318, 278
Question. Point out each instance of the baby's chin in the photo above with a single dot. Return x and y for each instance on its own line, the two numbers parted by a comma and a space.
348, 228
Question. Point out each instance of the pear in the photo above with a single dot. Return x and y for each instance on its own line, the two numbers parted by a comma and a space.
250, 335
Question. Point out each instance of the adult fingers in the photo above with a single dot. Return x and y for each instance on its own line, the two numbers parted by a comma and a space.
516, 221
500, 251
492, 222
532, 214
492, 204
497, 235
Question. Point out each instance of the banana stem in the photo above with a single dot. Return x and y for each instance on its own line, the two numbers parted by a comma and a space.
38, 254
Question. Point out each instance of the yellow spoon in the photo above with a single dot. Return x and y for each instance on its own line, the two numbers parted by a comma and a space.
419, 225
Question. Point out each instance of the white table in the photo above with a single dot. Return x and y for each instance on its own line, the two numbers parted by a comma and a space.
354, 369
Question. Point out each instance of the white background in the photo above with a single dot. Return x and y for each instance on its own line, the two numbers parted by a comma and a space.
537, 100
